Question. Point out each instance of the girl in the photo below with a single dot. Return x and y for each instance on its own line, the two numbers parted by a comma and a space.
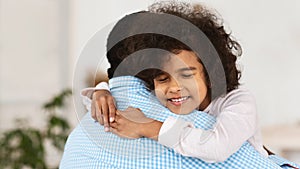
184, 85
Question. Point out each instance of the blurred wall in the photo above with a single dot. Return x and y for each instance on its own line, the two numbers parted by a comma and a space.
34, 57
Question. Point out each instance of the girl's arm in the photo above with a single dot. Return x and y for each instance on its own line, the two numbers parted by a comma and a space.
235, 124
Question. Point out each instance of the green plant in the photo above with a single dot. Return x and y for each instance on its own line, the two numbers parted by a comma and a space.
25, 146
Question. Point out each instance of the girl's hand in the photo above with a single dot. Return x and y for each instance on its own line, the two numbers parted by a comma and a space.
103, 108
130, 123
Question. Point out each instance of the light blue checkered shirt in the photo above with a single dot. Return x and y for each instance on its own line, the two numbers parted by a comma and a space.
89, 146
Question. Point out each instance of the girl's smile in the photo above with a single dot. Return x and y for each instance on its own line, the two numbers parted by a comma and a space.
178, 101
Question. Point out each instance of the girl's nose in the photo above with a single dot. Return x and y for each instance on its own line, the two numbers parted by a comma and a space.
174, 87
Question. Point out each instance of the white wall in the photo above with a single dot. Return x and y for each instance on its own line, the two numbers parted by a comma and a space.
33, 57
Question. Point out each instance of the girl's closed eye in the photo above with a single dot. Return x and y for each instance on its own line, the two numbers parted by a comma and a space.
187, 75
162, 78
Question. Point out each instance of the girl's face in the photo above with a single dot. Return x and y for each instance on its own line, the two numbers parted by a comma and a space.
182, 88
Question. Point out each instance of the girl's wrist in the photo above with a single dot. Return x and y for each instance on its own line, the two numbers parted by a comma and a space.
150, 129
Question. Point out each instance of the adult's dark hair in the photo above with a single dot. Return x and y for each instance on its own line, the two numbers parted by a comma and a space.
205, 20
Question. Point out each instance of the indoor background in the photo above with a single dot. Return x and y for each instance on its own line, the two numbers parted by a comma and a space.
41, 40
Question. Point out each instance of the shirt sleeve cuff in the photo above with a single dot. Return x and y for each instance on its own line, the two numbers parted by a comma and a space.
171, 131
86, 94
102, 86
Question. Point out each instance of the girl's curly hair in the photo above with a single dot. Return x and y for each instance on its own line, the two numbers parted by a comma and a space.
206, 20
